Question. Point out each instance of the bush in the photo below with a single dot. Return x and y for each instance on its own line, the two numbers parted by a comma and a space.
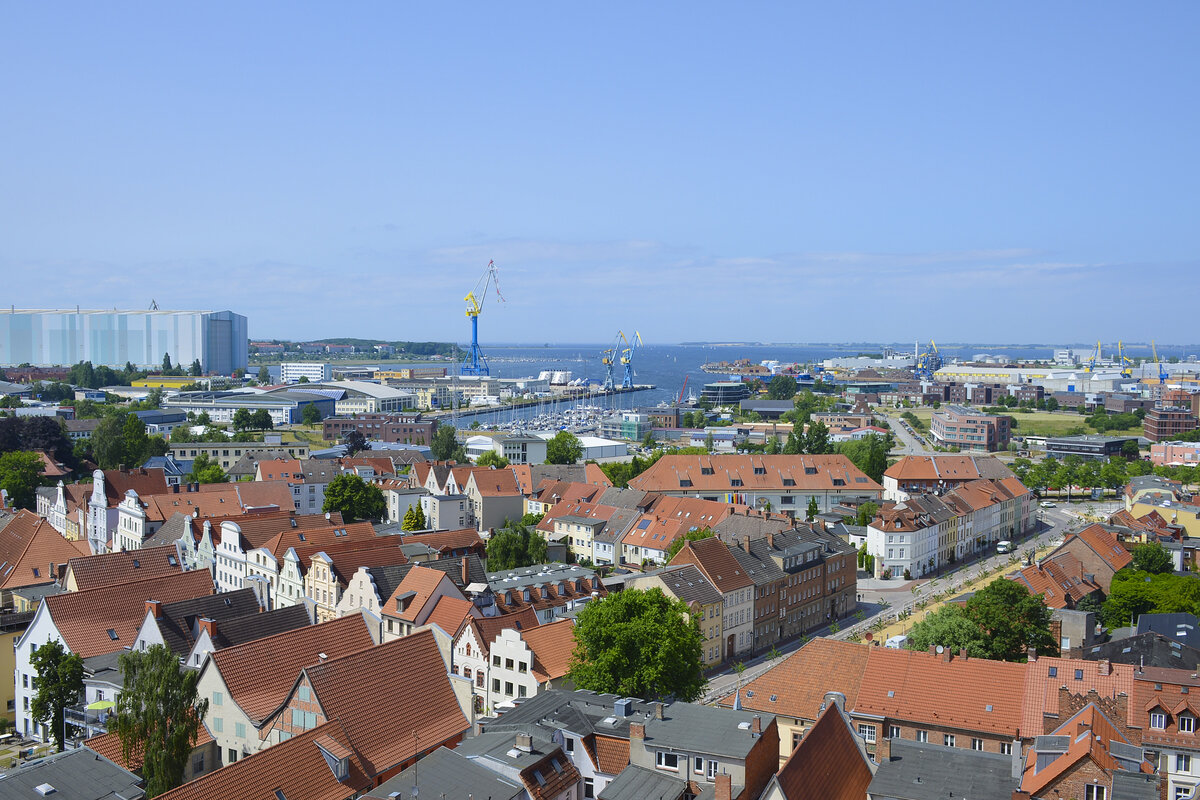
907, 575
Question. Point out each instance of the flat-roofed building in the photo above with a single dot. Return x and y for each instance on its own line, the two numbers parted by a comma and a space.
968, 429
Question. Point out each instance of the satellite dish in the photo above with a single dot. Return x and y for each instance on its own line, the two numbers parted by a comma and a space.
940, 649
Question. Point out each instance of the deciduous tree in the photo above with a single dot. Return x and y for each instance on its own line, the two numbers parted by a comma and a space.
690, 536
158, 715
20, 475
492, 459
1152, 557
59, 685
515, 545
638, 644
781, 387
310, 415
445, 446
205, 470
355, 498
242, 419
564, 448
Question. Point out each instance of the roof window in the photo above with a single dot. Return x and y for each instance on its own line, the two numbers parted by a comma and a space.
112, 634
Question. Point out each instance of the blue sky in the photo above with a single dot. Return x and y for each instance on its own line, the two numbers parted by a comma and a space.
774, 172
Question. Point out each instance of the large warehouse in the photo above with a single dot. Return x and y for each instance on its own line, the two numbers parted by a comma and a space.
113, 338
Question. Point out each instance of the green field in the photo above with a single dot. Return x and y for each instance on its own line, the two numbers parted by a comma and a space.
1036, 423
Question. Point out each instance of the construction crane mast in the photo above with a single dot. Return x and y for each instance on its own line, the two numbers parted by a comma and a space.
475, 363
609, 359
627, 360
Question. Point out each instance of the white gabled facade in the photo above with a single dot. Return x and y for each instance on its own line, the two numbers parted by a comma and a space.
40, 631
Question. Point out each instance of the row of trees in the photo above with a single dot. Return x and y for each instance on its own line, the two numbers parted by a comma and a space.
1050, 473
157, 716
246, 420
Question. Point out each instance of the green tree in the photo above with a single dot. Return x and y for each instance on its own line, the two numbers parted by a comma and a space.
59, 685
419, 517
949, 627
1130, 448
158, 715
108, 442
781, 387
355, 498
1011, 620
20, 475
694, 535
196, 370
648, 440
445, 446
203, 419
708, 441
167, 367
638, 644
243, 420
264, 374
564, 448
515, 545
137, 444
816, 439
866, 512
409, 523
303, 379
261, 420
205, 470
310, 415
492, 459
813, 509
1151, 557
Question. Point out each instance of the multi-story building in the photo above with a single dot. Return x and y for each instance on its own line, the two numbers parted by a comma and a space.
285, 407
1162, 711
967, 429
357, 397
217, 339
397, 428
311, 371
526, 661
1165, 423
226, 454
786, 482
1175, 454
523, 448
447, 511
939, 474
723, 393
714, 559
687, 583
628, 425
1093, 448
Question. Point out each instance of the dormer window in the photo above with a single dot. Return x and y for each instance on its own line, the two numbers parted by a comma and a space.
1158, 720
1186, 723
735, 481
789, 481
706, 470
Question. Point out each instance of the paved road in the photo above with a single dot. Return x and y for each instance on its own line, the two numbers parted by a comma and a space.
907, 444
1056, 523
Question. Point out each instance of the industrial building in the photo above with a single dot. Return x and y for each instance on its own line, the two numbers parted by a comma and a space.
218, 339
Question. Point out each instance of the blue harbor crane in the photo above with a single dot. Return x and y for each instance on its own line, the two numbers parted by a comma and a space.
609, 358
627, 354
475, 363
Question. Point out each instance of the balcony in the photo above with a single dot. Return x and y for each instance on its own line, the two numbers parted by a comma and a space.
89, 720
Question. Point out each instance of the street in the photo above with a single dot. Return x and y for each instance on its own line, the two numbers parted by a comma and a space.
889, 604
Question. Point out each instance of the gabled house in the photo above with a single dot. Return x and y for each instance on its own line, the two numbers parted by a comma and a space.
246, 685
495, 497
551, 590
216, 635
528, 660
32, 552
472, 648
714, 558
831, 762
105, 569
1167, 720
92, 623
177, 625
283, 560
414, 600
330, 569
389, 722
371, 586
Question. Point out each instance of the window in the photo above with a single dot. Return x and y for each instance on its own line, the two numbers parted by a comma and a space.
867, 732
1093, 792
1187, 723
1158, 720
218, 725
508, 663
496, 685
948, 739
198, 764
922, 736
522, 667
232, 755
239, 730
698, 767
1006, 748
521, 690
1183, 763
893, 731
712, 771
508, 688
495, 661
795, 740
1054, 672
977, 744
589, 787
569, 744
303, 694
1078, 674
666, 760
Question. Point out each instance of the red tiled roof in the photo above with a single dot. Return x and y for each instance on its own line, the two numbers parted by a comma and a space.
1106, 545
965, 693
947, 467
551, 777
1170, 697
382, 694
215, 499
105, 569
488, 628
109, 746
295, 768
280, 469
809, 473
258, 529
1095, 745
1041, 688
800, 681
83, 619
552, 645
347, 558
713, 558
422, 582
449, 613
612, 755
29, 546
259, 674
495, 482
447, 541
312, 540
828, 763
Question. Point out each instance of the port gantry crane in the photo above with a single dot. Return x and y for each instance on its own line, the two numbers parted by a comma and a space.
928, 362
1123, 361
475, 363
627, 360
609, 359
1162, 372
1090, 366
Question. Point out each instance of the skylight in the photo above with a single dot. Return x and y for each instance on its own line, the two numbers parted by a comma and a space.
112, 634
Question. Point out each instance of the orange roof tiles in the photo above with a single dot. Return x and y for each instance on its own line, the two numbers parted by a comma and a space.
295, 768
719, 565
446, 542
258, 528
347, 558
965, 693
716, 473
494, 482
105, 569
1106, 545
829, 762
422, 582
31, 549
487, 628
280, 469
220, 499
800, 681
109, 746
310, 540
379, 713
83, 619
552, 645
612, 755
449, 613
1170, 698
947, 467
1041, 688
1090, 732
259, 674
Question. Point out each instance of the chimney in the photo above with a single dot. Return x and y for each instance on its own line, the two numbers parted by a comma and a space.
837, 698
771, 540
745, 544
883, 749
1105, 666
756, 725
466, 579
525, 742
933, 650
174, 488
1031, 653
209, 625
962, 653
154, 607
946, 655
637, 730
1018, 764
658, 710
724, 787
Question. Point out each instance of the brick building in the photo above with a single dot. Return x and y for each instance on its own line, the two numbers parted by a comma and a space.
967, 429
1164, 423
394, 428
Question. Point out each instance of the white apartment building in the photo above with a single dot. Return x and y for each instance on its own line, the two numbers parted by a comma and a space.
314, 371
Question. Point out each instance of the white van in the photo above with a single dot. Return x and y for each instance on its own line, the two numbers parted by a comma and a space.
1004, 546
896, 642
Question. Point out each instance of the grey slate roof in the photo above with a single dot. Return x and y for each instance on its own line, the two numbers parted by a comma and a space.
918, 771
639, 783
1181, 627
79, 774
178, 622
536, 575
448, 773
249, 627
388, 578
688, 583
171, 531
1146, 649
1134, 786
